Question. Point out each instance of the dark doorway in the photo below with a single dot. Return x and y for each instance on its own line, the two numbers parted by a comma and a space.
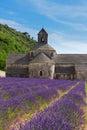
40, 73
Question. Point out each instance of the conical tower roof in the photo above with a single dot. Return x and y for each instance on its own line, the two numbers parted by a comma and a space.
43, 31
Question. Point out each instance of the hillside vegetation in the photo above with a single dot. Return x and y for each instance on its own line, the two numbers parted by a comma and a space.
13, 41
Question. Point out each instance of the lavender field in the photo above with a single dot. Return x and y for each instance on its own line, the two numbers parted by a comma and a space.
42, 104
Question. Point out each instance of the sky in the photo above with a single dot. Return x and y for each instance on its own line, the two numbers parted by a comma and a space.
64, 20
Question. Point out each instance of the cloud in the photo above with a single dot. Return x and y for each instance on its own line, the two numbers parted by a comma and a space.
60, 41
56, 9
69, 15
64, 45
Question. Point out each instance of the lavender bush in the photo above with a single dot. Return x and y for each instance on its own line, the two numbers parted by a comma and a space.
23, 95
65, 114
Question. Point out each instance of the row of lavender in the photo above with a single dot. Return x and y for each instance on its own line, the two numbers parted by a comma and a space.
13, 91
65, 114
21, 95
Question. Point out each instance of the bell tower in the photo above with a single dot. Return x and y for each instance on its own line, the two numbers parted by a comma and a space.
42, 37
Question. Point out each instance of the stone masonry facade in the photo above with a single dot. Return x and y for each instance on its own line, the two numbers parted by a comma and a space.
43, 62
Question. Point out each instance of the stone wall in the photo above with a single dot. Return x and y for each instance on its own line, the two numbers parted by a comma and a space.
65, 71
17, 71
81, 71
42, 37
41, 70
47, 70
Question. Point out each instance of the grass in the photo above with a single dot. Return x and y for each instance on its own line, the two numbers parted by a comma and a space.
43, 103
85, 109
7, 96
86, 91
86, 88
10, 113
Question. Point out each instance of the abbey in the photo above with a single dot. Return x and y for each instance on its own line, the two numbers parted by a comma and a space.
43, 62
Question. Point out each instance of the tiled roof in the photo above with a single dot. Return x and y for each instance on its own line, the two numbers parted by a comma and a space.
43, 47
43, 30
18, 58
41, 58
71, 58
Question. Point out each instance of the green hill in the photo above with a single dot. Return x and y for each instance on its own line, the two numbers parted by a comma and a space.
13, 41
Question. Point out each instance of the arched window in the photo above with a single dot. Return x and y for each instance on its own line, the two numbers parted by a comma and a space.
42, 39
41, 73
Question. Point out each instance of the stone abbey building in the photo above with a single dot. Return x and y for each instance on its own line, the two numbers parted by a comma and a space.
43, 62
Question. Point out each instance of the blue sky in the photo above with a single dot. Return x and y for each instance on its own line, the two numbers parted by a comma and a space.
64, 20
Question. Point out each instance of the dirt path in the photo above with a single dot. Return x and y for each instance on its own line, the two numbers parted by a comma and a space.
85, 111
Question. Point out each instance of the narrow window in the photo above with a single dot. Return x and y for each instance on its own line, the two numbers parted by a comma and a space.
32, 54
42, 39
40, 73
